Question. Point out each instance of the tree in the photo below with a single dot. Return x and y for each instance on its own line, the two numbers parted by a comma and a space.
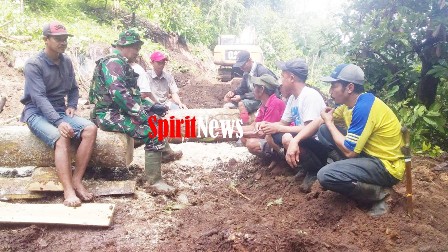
393, 38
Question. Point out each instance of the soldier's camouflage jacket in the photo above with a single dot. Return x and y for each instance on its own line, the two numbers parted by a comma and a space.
114, 88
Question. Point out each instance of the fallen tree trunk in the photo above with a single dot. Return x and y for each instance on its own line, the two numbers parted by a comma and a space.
205, 122
19, 147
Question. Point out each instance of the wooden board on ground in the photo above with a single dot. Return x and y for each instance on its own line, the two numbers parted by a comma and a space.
88, 214
15, 188
46, 179
102, 187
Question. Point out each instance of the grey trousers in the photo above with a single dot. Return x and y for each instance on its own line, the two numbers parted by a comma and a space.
340, 176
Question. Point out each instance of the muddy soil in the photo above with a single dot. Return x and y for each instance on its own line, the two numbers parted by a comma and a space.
228, 200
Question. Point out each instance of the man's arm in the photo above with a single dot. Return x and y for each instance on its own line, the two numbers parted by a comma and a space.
338, 137
150, 96
73, 94
293, 152
282, 126
35, 83
176, 99
243, 87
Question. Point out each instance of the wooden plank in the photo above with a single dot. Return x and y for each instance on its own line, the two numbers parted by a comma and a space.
88, 214
46, 179
15, 188
102, 187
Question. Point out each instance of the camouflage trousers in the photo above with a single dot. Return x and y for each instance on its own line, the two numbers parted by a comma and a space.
116, 122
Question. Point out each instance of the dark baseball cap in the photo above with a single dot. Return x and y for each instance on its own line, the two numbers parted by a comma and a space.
298, 67
346, 72
241, 58
55, 28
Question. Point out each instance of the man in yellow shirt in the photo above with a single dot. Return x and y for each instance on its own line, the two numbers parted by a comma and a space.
370, 150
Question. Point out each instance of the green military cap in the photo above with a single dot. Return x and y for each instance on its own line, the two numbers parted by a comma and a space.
127, 38
265, 80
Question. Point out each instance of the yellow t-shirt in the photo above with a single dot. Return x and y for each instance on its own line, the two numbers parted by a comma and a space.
374, 129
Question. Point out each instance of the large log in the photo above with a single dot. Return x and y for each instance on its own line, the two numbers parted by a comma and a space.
19, 147
207, 115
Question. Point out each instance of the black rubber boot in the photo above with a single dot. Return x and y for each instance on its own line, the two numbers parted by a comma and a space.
169, 154
309, 165
154, 174
308, 181
372, 194
335, 156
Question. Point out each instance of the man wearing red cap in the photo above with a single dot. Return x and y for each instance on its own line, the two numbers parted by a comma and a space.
49, 80
162, 83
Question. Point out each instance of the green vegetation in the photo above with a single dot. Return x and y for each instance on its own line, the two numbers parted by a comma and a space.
401, 44
403, 47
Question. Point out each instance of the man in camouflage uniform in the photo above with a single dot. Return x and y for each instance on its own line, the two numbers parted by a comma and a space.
119, 106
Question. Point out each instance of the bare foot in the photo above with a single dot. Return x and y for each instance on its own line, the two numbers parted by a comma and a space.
71, 200
82, 192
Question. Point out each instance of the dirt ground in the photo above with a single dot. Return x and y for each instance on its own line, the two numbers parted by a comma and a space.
229, 201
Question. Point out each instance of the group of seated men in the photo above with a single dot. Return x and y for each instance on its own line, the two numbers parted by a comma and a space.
353, 149
365, 155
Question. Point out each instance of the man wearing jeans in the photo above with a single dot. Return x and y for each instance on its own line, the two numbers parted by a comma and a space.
49, 79
371, 145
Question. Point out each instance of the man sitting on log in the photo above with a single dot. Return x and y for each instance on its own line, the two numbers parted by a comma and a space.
119, 106
49, 78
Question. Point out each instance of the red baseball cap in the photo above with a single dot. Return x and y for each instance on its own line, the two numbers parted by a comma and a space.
158, 56
55, 28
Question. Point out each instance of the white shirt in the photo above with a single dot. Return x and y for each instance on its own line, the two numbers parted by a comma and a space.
142, 81
306, 107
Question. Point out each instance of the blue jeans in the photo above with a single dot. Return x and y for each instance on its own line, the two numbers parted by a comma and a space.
49, 133
340, 176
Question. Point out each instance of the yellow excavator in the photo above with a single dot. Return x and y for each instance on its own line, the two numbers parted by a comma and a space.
224, 55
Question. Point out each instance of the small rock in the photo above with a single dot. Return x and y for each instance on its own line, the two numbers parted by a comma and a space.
232, 162
183, 199
444, 177
42, 243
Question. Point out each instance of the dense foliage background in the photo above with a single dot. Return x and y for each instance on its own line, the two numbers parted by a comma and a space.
401, 44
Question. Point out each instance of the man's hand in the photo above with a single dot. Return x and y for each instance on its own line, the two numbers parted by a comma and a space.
70, 111
230, 94
159, 109
66, 130
258, 130
269, 128
292, 154
236, 98
327, 115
